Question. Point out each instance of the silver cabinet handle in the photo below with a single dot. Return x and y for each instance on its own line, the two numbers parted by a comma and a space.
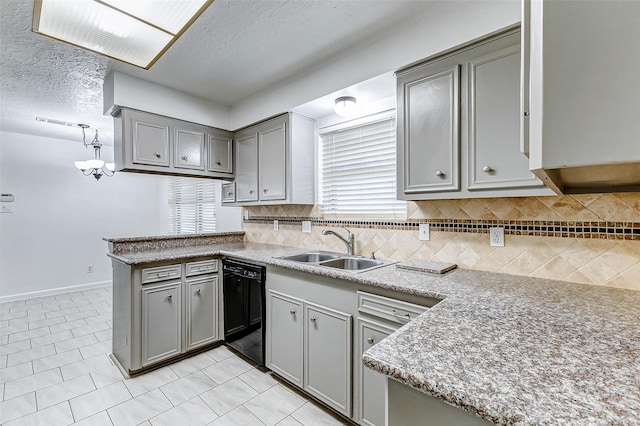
157, 154
169, 297
198, 292
229, 194
251, 191
185, 157
487, 169
401, 315
265, 190
218, 162
313, 319
439, 173
526, 113
292, 312
370, 340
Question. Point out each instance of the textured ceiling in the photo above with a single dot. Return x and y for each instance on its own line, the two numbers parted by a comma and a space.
236, 49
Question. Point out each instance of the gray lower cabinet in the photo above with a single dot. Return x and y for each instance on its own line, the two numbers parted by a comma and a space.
202, 312
310, 345
372, 384
161, 321
163, 310
327, 356
284, 331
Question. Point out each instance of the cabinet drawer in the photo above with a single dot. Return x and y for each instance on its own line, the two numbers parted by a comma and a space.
388, 309
202, 267
160, 273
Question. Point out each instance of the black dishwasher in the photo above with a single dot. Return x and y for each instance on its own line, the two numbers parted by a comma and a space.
244, 308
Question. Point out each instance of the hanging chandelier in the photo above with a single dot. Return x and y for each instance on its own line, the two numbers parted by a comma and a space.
94, 167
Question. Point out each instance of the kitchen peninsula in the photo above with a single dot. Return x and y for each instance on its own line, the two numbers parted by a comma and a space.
509, 349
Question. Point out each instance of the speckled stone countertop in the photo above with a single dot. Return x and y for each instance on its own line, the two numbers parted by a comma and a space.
511, 349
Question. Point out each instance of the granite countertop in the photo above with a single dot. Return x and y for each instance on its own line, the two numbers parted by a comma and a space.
511, 349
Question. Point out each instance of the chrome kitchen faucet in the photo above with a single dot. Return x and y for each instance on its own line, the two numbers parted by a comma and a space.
347, 241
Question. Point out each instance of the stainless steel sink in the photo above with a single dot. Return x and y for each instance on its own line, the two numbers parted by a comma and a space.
353, 263
343, 262
311, 257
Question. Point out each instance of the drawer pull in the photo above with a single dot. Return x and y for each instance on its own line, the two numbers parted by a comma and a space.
218, 162
487, 169
185, 158
157, 154
198, 292
313, 319
370, 340
401, 315
162, 274
439, 173
170, 297
292, 312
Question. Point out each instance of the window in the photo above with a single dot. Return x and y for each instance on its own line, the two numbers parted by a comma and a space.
191, 205
358, 169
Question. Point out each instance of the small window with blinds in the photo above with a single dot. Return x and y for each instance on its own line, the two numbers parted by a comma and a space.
358, 170
191, 205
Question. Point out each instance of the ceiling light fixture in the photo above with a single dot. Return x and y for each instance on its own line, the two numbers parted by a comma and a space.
136, 32
94, 167
345, 106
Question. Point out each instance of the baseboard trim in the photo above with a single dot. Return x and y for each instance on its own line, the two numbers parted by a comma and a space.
54, 291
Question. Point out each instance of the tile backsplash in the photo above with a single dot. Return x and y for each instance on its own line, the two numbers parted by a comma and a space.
591, 239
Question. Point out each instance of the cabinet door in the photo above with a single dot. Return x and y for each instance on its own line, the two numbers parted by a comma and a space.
495, 159
272, 156
202, 302
327, 356
247, 167
161, 322
150, 139
284, 336
371, 384
188, 148
219, 154
428, 129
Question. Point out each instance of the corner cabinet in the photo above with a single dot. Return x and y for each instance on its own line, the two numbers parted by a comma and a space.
459, 125
151, 143
580, 87
163, 311
275, 162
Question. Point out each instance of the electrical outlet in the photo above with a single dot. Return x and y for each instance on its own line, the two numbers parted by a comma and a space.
306, 226
423, 232
89, 269
6, 208
275, 225
496, 237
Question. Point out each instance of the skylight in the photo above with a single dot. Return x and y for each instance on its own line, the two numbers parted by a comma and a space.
137, 32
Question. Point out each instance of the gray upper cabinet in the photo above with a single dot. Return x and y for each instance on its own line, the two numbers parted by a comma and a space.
272, 153
149, 139
151, 143
495, 159
429, 104
459, 124
220, 153
246, 166
189, 147
581, 75
275, 161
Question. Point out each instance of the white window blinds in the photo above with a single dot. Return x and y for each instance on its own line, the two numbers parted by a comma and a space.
358, 171
191, 205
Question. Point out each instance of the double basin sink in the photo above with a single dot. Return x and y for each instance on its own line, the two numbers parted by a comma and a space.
344, 262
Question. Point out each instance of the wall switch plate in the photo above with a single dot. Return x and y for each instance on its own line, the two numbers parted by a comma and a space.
6, 208
423, 232
306, 226
496, 236
275, 225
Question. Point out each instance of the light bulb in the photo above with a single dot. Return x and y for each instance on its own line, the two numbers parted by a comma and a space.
95, 164
345, 106
82, 165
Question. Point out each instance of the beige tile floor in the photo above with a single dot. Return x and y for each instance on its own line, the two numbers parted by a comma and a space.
55, 370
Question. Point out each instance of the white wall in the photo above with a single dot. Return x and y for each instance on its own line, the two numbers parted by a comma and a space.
61, 216
448, 24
